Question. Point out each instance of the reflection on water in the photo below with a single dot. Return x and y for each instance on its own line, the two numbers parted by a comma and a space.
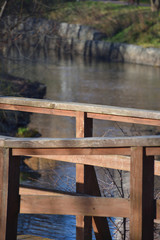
62, 177
51, 226
77, 80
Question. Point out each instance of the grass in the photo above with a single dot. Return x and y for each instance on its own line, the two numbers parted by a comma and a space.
120, 23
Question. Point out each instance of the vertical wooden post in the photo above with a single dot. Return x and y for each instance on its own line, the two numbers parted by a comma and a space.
86, 182
4, 168
9, 195
83, 224
141, 195
100, 224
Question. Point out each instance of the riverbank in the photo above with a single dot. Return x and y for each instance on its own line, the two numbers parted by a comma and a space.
11, 85
124, 23
103, 30
41, 38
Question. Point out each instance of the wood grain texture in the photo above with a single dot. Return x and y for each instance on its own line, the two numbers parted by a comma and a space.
88, 142
141, 195
122, 206
4, 175
13, 197
28, 190
84, 127
74, 205
41, 110
125, 119
125, 151
30, 237
107, 161
71, 151
9, 197
86, 178
81, 107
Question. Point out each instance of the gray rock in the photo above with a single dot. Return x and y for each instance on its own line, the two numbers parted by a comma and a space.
38, 33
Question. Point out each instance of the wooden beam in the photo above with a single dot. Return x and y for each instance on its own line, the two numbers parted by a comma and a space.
71, 151
100, 224
9, 195
119, 207
84, 128
141, 195
41, 110
28, 190
81, 107
152, 151
86, 174
82, 143
107, 161
74, 205
157, 214
125, 119
4, 166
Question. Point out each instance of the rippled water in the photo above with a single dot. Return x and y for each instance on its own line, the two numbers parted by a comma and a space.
77, 80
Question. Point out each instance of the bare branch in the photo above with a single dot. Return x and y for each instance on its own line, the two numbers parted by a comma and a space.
3, 8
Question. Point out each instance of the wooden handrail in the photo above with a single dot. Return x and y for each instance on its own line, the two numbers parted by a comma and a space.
82, 107
94, 142
136, 153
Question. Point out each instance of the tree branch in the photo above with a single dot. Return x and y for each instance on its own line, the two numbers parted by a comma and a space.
3, 8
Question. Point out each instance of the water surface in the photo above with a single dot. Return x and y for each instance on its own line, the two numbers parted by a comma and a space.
79, 80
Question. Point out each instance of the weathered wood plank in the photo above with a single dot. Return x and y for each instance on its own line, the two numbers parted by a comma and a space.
4, 172
150, 151
157, 204
100, 224
30, 237
28, 190
141, 195
69, 113
74, 205
87, 176
92, 108
9, 195
41, 110
84, 128
71, 151
107, 161
126, 119
88, 142
27, 208
13, 197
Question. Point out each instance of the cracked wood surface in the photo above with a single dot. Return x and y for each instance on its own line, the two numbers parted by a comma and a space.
94, 142
84, 107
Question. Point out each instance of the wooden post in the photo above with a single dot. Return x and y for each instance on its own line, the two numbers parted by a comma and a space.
86, 182
83, 223
141, 195
9, 197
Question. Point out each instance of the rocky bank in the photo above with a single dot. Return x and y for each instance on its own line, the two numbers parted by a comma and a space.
34, 36
16, 86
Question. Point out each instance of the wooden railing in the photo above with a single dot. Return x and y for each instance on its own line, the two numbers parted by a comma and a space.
134, 154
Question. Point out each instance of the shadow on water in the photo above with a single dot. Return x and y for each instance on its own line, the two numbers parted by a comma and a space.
77, 80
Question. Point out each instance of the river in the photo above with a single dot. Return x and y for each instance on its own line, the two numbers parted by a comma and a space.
79, 80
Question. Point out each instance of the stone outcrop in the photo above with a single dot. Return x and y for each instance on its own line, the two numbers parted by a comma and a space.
45, 37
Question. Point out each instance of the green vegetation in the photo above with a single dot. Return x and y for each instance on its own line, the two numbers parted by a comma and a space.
121, 23
26, 132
